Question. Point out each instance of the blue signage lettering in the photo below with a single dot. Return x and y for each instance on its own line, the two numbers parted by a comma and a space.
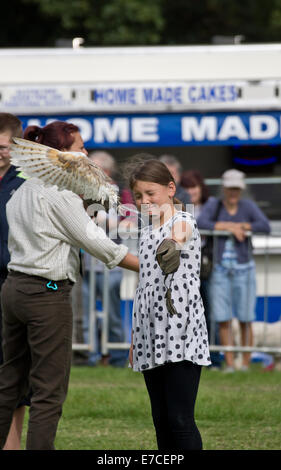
121, 96
190, 93
165, 95
175, 129
202, 94
214, 93
147, 95
114, 96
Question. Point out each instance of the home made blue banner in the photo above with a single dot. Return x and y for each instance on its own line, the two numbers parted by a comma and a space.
171, 129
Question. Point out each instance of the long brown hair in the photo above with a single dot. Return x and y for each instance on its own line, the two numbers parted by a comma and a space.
145, 167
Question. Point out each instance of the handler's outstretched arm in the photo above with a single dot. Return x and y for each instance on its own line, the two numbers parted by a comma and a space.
130, 262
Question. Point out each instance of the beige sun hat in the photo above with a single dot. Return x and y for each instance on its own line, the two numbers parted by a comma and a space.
233, 179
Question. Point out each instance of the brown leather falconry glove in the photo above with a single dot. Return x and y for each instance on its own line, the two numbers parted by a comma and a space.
168, 256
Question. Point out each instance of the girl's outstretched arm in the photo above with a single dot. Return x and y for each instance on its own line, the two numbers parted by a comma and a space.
130, 262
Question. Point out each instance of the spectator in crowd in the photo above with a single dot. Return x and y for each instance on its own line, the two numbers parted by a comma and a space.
175, 168
233, 281
193, 182
116, 333
10, 181
47, 228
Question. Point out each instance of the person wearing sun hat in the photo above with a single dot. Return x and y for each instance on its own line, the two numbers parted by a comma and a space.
233, 179
233, 280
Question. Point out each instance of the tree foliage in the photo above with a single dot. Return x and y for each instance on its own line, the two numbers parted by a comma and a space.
114, 22
39, 23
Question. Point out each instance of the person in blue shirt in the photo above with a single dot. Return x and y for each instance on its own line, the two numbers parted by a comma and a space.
10, 180
233, 280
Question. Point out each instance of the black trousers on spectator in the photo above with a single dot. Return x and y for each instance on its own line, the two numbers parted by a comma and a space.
172, 389
37, 349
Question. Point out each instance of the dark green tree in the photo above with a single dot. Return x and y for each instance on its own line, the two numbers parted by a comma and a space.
191, 22
40, 23
106, 23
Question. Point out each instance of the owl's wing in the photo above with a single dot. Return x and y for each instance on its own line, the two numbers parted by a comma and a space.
67, 170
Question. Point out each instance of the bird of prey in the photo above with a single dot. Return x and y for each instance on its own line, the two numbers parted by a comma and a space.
67, 170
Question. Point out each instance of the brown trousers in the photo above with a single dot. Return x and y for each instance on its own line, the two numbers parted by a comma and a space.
37, 347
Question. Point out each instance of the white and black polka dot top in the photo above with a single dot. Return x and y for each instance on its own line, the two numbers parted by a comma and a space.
158, 336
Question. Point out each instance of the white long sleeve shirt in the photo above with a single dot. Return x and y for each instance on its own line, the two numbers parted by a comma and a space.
46, 229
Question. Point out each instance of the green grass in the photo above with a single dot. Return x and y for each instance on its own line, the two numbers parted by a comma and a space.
108, 409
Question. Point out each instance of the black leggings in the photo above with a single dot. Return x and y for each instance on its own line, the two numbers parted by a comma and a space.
172, 389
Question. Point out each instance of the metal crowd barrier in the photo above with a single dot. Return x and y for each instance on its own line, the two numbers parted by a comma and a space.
265, 246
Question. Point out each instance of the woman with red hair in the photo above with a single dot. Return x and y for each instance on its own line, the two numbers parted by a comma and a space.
47, 228
58, 135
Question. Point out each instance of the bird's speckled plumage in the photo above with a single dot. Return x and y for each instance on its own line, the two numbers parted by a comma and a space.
67, 170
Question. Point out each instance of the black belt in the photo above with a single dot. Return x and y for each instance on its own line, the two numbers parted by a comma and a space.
49, 282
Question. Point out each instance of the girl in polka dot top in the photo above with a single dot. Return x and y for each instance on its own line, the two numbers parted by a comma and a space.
169, 334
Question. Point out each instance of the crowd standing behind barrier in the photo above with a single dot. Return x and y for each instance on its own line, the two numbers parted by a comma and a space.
232, 343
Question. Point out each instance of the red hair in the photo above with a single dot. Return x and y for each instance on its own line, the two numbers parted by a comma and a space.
193, 178
57, 134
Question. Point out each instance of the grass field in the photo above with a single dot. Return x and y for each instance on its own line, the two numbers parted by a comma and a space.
108, 409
